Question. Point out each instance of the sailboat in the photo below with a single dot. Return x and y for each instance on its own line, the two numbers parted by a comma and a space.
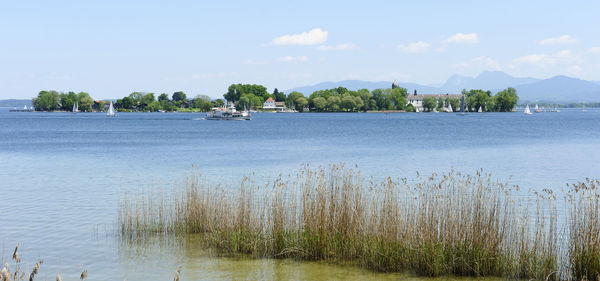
479, 110
527, 111
537, 109
435, 110
449, 110
417, 109
75, 108
462, 107
583, 108
111, 111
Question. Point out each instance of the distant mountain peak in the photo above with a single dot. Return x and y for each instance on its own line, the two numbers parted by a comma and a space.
558, 88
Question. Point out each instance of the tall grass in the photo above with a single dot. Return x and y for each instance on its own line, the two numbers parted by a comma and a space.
447, 224
584, 226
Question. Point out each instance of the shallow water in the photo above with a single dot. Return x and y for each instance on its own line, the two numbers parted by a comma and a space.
61, 174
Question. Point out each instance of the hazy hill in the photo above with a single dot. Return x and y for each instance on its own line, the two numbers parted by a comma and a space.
15, 103
560, 88
489, 80
555, 89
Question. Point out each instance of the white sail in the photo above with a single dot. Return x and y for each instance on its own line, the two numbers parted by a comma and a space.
527, 111
435, 110
450, 108
479, 110
536, 107
75, 108
416, 109
111, 110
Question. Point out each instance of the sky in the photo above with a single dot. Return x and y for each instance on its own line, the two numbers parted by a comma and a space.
112, 48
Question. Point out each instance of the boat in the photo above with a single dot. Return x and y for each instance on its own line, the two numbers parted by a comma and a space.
479, 110
75, 108
111, 111
229, 114
449, 109
435, 110
417, 109
527, 111
537, 109
462, 107
583, 108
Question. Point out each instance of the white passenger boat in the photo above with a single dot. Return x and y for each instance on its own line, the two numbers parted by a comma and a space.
229, 114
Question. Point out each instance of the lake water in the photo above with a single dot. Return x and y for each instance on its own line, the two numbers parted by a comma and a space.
62, 174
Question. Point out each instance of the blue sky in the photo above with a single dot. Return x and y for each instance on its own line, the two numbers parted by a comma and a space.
111, 48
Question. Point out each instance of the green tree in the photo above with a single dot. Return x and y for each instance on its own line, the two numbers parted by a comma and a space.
454, 102
67, 101
366, 97
333, 103
398, 98
154, 106
506, 100
244, 102
410, 108
218, 103
235, 91
202, 102
163, 97
477, 98
136, 97
429, 103
179, 96
301, 102
99, 105
348, 103
85, 102
167, 105
383, 99
147, 99
126, 103
292, 100
46, 101
278, 96
319, 103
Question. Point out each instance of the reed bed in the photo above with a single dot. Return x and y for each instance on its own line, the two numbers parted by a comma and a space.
584, 226
447, 224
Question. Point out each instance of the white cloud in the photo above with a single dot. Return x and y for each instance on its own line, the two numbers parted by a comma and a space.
314, 36
564, 58
565, 39
340, 47
293, 59
463, 38
594, 50
416, 47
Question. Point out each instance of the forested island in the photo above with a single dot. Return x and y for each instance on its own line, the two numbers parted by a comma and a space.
251, 96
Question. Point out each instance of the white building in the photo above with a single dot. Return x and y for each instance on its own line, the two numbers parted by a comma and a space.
269, 104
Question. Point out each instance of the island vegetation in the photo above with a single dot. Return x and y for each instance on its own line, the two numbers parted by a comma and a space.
251, 96
449, 224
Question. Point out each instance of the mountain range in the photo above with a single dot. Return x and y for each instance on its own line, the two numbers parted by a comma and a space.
554, 89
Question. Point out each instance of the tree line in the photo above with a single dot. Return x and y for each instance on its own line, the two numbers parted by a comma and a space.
252, 96
53, 100
341, 99
503, 101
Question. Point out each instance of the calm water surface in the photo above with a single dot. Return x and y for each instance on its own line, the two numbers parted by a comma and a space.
61, 175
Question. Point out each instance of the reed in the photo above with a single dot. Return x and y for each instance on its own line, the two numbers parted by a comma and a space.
584, 230
446, 224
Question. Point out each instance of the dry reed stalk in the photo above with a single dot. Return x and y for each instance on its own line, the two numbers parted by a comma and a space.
448, 224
